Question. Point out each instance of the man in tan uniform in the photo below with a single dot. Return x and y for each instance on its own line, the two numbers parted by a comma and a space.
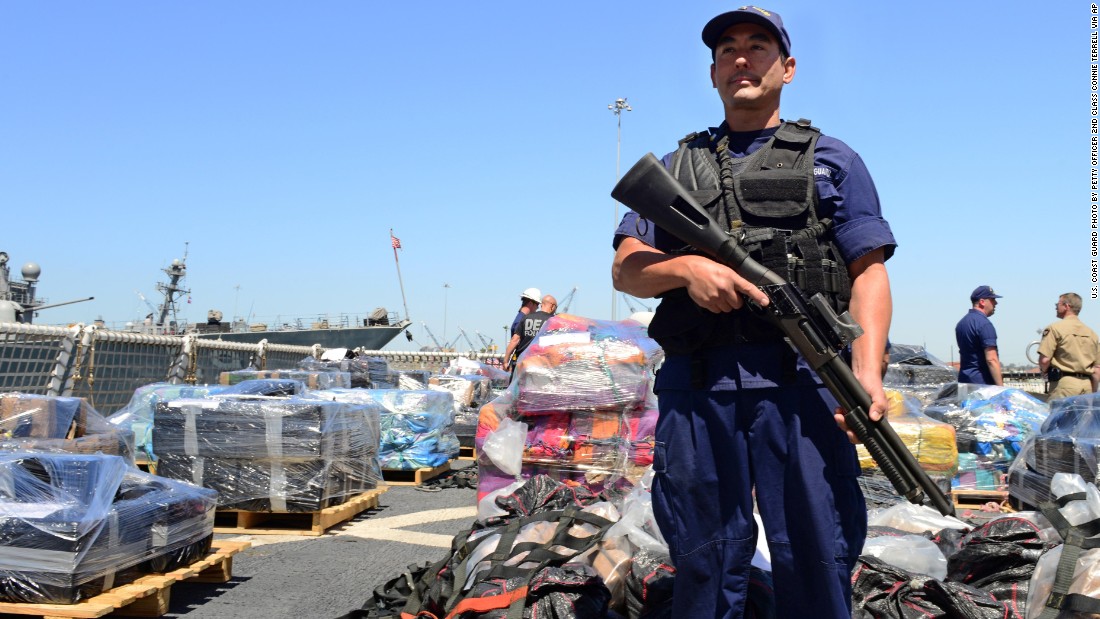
1069, 351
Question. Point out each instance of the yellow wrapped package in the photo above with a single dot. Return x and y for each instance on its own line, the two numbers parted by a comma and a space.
931, 441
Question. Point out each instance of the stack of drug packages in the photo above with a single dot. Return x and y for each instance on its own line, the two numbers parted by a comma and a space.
137, 415
417, 426
30, 422
915, 371
1067, 442
992, 424
75, 525
473, 384
317, 378
579, 410
270, 454
931, 442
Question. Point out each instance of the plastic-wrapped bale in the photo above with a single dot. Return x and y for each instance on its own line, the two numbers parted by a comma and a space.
583, 392
931, 442
358, 369
582, 364
412, 380
469, 390
1068, 442
417, 428
914, 370
75, 525
282, 455
991, 425
379, 371
463, 366
137, 415
510, 451
311, 379
59, 424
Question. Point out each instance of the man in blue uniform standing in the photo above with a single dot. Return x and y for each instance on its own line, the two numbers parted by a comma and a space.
977, 340
742, 416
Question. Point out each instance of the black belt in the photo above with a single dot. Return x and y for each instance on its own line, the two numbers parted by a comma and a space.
1084, 375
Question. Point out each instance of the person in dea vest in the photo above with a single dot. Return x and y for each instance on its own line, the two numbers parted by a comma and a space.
740, 410
1068, 352
976, 337
528, 302
530, 326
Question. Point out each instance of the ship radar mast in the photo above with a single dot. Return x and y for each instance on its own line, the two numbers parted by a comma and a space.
173, 289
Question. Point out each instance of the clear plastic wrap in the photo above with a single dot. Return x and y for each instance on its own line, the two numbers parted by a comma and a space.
417, 428
469, 390
74, 525
137, 415
931, 442
913, 369
1086, 573
292, 454
311, 379
591, 424
992, 425
912, 553
31, 422
577, 363
463, 366
358, 369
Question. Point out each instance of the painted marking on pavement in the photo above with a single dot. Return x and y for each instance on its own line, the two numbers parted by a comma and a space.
388, 529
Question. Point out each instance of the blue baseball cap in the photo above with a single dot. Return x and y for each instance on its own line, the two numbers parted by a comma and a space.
983, 292
752, 14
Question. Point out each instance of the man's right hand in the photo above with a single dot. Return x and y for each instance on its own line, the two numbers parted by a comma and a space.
718, 288
643, 271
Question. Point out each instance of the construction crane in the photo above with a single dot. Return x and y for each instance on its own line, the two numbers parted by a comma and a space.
438, 346
473, 348
563, 307
630, 306
152, 309
490, 347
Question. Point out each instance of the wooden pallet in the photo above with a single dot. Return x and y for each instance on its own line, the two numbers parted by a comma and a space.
467, 453
976, 499
294, 523
148, 596
416, 477
144, 463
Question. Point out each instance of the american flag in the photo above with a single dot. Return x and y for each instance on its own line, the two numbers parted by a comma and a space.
396, 242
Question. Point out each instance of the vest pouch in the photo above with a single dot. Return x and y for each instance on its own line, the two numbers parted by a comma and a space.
680, 326
775, 198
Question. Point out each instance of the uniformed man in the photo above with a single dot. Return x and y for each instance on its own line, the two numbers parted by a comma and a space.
979, 362
528, 302
1069, 352
740, 410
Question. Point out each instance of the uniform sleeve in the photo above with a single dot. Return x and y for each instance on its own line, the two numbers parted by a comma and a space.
860, 227
635, 226
989, 335
1048, 343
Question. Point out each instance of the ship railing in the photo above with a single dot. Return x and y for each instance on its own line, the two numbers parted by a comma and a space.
106, 367
429, 360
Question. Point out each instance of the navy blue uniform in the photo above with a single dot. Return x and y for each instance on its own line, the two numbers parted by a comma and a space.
974, 333
754, 418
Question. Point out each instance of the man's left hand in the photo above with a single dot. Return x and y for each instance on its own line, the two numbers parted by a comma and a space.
873, 384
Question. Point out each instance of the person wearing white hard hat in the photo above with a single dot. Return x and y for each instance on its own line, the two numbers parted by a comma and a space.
529, 301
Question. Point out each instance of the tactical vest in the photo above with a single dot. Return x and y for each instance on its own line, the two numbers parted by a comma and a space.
768, 201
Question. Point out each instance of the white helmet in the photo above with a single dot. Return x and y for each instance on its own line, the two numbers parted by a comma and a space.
531, 294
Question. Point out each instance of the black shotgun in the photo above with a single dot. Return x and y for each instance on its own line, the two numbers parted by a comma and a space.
811, 325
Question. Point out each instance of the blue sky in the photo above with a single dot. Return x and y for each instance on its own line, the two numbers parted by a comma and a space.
283, 141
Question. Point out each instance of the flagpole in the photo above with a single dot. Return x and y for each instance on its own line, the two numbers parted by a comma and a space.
398, 265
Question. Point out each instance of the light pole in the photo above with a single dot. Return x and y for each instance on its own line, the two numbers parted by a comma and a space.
446, 287
617, 109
